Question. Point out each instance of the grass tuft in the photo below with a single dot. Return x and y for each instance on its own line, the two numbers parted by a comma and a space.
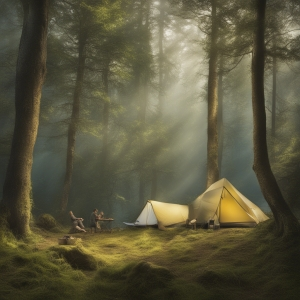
144, 276
77, 258
233, 263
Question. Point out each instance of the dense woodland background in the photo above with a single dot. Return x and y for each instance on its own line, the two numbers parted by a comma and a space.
125, 99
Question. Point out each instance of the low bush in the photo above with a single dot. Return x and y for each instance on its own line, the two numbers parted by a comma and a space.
77, 258
46, 221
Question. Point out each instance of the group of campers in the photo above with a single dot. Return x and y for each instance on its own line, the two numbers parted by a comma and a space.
77, 223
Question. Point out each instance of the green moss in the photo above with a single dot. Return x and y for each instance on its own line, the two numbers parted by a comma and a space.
142, 280
146, 275
221, 277
77, 258
33, 275
111, 273
46, 221
174, 264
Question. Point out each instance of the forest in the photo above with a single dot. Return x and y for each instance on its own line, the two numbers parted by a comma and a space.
110, 103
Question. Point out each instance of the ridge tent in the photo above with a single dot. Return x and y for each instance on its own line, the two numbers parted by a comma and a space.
161, 214
224, 204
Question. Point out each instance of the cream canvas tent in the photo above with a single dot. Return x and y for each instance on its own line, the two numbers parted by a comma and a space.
224, 204
161, 214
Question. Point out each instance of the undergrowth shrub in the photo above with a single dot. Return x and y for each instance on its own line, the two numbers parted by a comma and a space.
77, 258
114, 273
210, 278
46, 221
6, 236
144, 276
134, 279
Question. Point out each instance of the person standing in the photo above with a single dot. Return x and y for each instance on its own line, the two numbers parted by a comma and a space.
100, 217
94, 220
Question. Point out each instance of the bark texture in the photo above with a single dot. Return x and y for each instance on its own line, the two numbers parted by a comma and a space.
212, 127
30, 74
106, 182
220, 116
161, 91
285, 221
274, 93
105, 121
143, 94
73, 125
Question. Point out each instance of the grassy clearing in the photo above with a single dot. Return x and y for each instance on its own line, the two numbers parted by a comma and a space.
147, 263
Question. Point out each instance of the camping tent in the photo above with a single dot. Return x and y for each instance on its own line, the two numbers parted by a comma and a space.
224, 204
161, 214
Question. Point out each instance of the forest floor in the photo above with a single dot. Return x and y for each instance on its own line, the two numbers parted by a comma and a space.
146, 263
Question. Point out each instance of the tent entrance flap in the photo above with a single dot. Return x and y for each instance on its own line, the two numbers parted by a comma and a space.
147, 216
231, 211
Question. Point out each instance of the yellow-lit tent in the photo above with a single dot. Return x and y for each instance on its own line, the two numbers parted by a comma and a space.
224, 204
161, 214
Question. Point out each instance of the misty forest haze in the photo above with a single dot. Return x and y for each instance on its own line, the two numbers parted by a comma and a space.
141, 130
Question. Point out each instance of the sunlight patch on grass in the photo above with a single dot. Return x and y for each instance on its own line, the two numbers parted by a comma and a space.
147, 242
178, 244
77, 257
174, 264
32, 275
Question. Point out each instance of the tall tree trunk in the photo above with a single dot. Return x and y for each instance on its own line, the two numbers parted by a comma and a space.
143, 95
274, 92
161, 91
154, 176
161, 58
105, 177
142, 188
220, 115
105, 121
142, 119
285, 221
154, 184
82, 40
30, 74
212, 118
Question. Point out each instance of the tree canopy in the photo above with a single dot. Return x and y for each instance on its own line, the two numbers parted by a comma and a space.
147, 100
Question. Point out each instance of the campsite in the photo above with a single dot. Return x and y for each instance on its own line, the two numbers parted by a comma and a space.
221, 205
149, 149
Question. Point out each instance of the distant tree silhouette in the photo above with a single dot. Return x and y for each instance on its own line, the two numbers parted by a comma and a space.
82, 41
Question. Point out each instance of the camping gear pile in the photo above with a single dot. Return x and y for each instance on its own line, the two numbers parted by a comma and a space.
221, 205
67, 240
